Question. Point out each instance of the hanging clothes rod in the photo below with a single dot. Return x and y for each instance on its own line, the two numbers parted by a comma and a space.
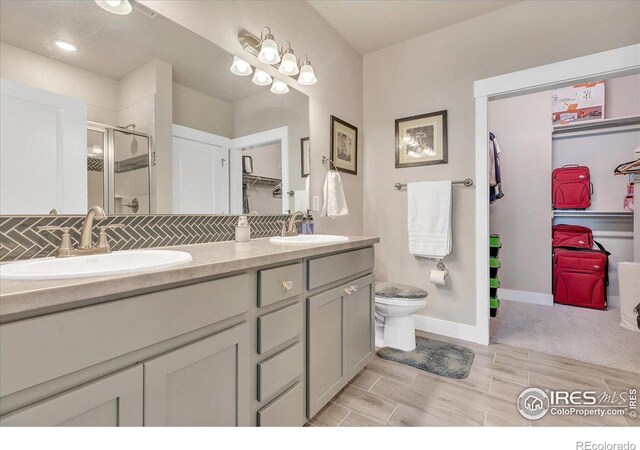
467, 182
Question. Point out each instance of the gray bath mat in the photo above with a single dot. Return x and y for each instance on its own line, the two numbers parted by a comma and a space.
441, 358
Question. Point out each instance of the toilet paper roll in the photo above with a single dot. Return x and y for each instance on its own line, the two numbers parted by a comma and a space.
438, 277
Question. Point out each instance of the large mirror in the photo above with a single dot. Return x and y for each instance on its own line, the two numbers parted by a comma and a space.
138, 115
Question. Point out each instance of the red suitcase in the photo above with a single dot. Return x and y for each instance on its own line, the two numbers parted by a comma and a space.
573, 236
571, 187
580, 277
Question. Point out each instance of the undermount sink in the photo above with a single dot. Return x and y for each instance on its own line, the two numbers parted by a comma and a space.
123, 262
308, 239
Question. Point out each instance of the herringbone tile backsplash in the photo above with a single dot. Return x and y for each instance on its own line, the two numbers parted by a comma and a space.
20, 238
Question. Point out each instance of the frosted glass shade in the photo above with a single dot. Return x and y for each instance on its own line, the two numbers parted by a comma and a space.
269, 52
240, 67
289, 65
261, 78
120, 7
279, 87
307, 76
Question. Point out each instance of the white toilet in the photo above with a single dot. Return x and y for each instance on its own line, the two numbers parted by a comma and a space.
395, 306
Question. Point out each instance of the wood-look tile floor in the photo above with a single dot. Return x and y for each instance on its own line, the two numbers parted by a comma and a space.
392, 394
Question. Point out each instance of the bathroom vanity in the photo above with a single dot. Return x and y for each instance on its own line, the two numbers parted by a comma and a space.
253, 334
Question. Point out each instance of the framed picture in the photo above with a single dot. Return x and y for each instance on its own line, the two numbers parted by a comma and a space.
421, 140
344, 146
305, 156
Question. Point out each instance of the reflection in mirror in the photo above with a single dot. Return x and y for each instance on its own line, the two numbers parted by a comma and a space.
144, 116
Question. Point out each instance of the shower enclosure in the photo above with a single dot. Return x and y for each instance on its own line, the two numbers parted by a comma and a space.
119, 161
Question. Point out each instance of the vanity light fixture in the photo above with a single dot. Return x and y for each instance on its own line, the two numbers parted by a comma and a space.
268, 48
279, 87
65, 46
307, 76
288, 65
261, 78
120, 7
240, 67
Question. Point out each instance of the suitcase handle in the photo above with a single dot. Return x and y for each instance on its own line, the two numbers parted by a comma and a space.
571, 165
590, 188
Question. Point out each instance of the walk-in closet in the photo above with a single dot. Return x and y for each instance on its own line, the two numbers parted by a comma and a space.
555, 290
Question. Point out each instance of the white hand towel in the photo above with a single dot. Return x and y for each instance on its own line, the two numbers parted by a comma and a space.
334, 203
429, 218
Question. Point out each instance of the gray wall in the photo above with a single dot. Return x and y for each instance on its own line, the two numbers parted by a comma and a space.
436, 71
338, 68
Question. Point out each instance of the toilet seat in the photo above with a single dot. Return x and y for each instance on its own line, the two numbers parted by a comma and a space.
400, 301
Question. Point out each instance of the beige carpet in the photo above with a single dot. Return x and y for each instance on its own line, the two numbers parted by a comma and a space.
583, 334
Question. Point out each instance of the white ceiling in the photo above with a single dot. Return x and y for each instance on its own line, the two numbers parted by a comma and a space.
371, 25
113, 46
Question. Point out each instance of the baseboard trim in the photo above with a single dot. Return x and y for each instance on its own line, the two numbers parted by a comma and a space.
448, 328
525, 297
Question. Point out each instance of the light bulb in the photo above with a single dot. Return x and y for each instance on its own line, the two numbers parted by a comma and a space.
66, 46
261, 78
307, 76
269, 52
120, 7
279, 87
289, 65
240, 67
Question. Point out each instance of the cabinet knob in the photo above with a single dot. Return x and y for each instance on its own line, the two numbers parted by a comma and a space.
288, 285
354, 288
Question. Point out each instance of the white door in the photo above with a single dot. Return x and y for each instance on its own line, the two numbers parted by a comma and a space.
200, 177
43, 151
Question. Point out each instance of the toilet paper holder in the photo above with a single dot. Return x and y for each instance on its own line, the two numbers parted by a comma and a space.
441, 266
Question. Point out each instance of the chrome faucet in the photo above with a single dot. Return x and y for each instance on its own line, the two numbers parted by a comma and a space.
86, 246
289, 227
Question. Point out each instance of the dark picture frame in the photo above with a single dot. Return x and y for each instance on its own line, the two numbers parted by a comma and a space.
421, 140
305, 157
344, 146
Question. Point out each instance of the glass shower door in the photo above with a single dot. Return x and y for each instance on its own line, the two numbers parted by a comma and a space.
131, 174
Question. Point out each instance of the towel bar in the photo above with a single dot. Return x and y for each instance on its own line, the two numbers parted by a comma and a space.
467, 182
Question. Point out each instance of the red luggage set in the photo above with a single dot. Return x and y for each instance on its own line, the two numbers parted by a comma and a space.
580, 273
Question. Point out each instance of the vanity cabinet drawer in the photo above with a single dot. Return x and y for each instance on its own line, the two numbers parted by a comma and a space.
278, 327
332, 268
279, 283
279, 370
285, 411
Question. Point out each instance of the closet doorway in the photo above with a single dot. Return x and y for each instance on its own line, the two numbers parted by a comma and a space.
603, 66
535, 143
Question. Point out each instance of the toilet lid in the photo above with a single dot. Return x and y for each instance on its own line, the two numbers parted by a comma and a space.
399, 291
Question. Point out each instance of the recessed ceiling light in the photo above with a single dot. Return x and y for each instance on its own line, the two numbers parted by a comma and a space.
66, 46
120, 7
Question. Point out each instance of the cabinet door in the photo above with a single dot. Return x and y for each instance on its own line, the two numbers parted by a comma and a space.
115, 400
201, 384
360, 329
326, 350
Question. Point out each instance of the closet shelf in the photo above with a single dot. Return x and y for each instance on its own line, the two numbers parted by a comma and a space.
260, 180
596, 124
593, 214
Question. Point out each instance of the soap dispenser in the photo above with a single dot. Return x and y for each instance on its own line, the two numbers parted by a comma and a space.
307, 224
243, 230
